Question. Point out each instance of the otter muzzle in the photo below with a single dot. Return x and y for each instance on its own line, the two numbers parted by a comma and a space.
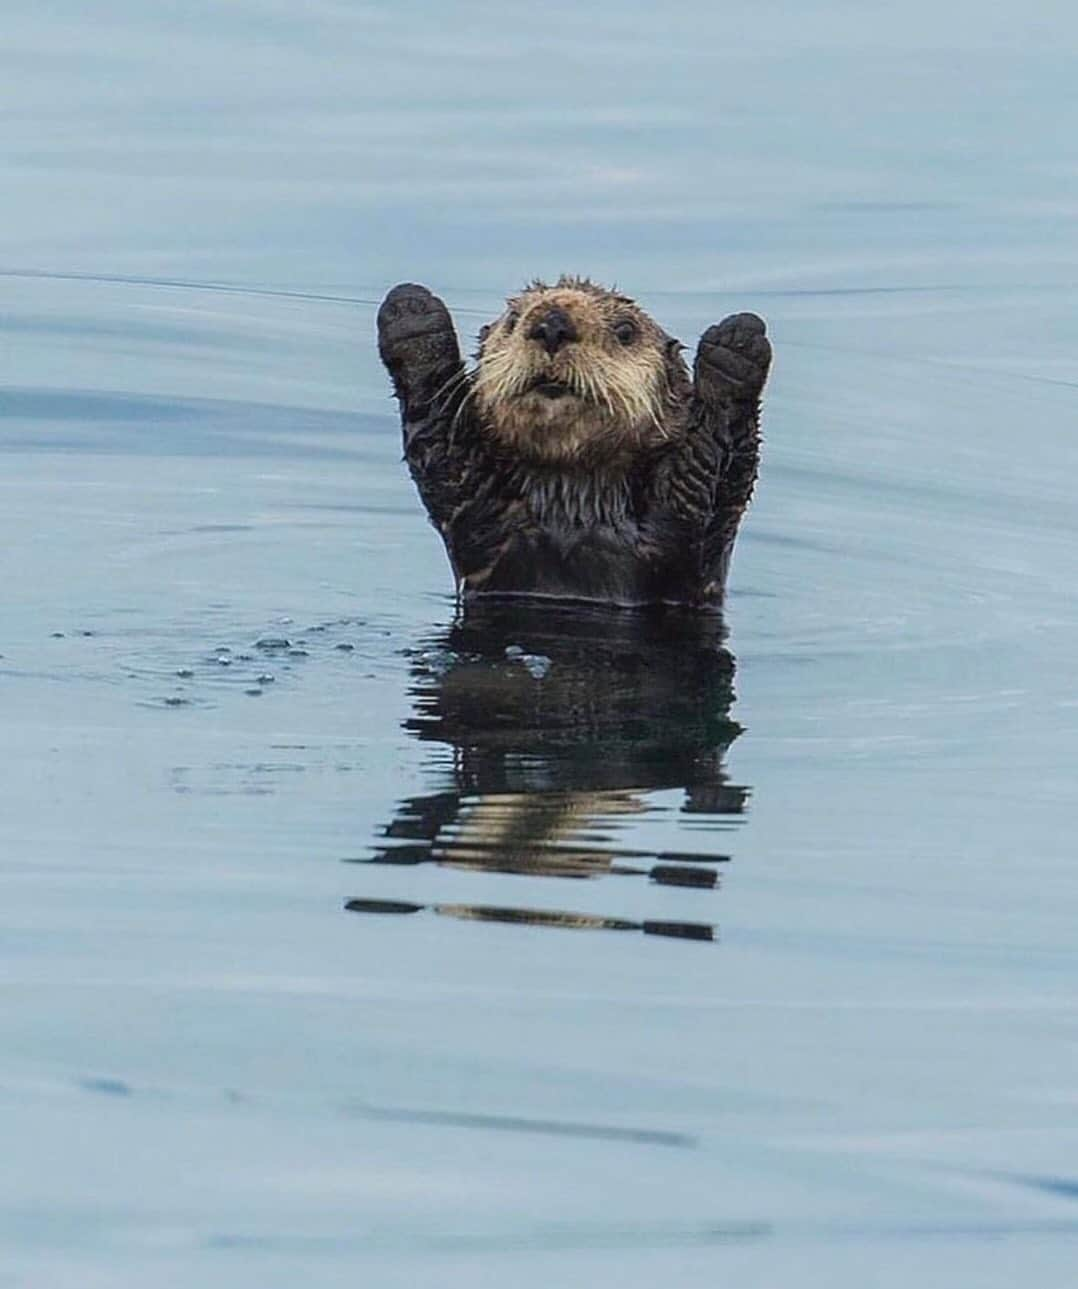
553, 328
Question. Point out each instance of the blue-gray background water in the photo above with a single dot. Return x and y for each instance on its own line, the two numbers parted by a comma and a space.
211, 1071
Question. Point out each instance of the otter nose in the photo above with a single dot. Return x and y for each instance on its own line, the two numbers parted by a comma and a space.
553, 328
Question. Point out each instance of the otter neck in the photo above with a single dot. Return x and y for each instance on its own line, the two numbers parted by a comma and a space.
577, 498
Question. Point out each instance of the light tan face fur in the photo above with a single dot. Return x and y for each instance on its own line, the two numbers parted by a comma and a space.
599, 395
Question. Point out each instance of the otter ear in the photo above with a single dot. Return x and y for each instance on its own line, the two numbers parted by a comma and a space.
484, 331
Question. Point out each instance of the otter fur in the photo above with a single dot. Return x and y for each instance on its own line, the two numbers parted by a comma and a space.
579, 459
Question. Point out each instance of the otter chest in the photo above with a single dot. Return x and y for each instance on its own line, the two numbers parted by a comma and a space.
595, 563
560, 538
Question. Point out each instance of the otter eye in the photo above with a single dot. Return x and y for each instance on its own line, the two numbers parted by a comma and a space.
511, 320
625, 332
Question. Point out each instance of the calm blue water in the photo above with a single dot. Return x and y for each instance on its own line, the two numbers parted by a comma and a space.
215, 1073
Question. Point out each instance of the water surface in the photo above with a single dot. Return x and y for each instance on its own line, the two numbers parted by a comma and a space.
241, 711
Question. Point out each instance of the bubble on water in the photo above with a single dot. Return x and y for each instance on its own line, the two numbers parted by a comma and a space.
223, 661
436, 661
185, 673
265, 679
536, 664
273, 642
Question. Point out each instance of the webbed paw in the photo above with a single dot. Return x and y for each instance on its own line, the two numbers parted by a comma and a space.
410, 311
733, 357
416, 338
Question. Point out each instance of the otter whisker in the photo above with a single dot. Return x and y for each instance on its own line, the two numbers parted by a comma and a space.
599, 392
443, 395
451, 380
468, 396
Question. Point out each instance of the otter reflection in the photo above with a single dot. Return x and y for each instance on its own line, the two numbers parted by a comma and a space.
560, 722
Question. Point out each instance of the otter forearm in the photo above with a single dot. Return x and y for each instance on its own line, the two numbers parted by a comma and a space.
681, 490
732, 363
418, 344
735, 485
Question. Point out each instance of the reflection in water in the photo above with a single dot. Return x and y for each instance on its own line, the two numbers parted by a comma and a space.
538, 917
561, 721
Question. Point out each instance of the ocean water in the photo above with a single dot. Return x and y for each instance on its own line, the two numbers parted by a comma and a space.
344, 938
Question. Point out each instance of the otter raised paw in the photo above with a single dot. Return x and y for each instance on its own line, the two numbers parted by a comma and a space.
578, 459
734, 356
416, 341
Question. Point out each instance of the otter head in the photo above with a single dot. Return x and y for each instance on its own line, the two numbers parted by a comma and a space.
575, 374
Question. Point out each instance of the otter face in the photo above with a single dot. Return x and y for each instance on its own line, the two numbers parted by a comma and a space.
574, 373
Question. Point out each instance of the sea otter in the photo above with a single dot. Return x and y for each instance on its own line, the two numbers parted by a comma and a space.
579, 459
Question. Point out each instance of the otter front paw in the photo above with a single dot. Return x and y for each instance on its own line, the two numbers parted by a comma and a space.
416, 339
733, 357
409, 312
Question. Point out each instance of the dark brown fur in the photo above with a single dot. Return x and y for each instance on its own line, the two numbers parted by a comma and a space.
579, 459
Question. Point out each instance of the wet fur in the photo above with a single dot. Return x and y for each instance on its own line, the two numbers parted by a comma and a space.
624, 399
629, 488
